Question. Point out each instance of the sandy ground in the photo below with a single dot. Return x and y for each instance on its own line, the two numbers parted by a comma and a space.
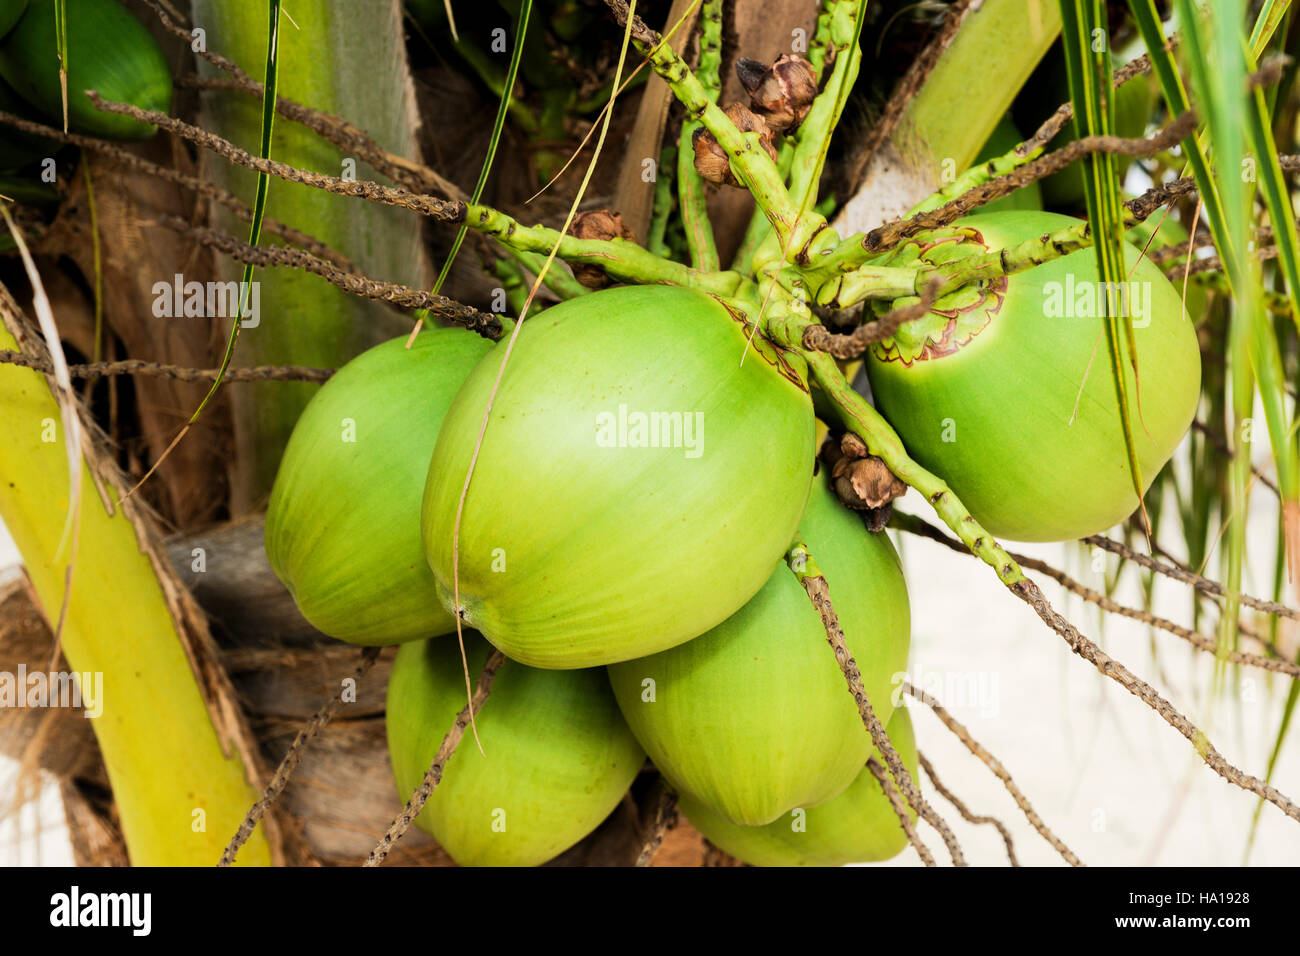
1115, 782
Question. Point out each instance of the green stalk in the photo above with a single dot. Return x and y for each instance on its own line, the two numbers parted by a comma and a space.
164, 758
348, 60
691, 197
559, 281
620, 258
663, 203
759, 228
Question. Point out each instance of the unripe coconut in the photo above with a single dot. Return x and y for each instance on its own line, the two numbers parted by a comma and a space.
109, 51
637, 481
1005, 390
753, 718
558, 759
858, 826
343, 526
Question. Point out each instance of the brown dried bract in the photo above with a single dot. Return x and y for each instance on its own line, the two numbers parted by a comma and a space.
783, 93
861, 481
711, 160
597, 224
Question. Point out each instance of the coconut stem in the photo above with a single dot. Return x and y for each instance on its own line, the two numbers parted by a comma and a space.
691, 197
622, 259
559, 281
899, 806
663, 202
804, 565
812, 139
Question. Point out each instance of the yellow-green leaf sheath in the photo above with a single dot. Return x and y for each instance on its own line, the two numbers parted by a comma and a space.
1005, 390
556, 760
343, 526
179, 798
752, 718
858, 826
582, 543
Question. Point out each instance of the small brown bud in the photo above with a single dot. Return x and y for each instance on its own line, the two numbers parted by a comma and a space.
597, 224
784, 94
711, 160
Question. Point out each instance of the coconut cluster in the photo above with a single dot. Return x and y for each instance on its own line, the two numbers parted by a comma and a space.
622, 542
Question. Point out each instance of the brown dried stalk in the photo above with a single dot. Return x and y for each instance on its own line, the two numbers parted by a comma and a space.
433, 776
431, 206
1030, 593
891, 234
350, 139
343, 134
200, 186
489, 326
854, 344
999, 771
924, 529
907, 88
1188, 577
965, 812
257, 373
291, 760
1065, 112
899, 807
819, 594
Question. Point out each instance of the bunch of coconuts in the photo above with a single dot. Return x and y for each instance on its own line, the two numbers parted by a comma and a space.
647, 461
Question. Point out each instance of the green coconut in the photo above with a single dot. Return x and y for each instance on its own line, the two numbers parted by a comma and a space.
753, 718
1005, 390
858, 826
109, 51
343, 525
637, 481
557, 757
